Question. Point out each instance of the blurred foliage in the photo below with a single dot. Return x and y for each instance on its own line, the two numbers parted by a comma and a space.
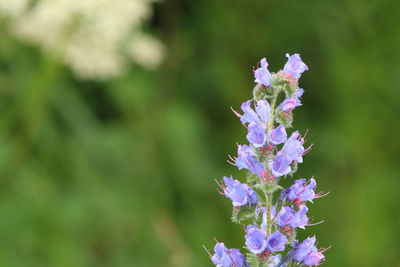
120, 173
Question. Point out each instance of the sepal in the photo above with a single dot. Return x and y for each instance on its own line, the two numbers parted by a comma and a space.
240, 214
294, 168
290, 233
252, 179
252, 260
261, 92
285, 118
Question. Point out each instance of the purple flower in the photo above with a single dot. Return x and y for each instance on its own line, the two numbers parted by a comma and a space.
247, 159
257, 135
262, 74
294, 66
240, 194
278, 135
281, 164
301, 191
288, 216
299, 93
224, 257
257, 121
259, 116
276, 241
274, 261
221, 256
293, 147
291, 151
306, 251
256, 239
289, 104
313, 259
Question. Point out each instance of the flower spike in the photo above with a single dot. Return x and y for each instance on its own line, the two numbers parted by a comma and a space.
270, 214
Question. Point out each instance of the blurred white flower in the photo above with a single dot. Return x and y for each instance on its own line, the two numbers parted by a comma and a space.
146, 51
13, 8
89, 35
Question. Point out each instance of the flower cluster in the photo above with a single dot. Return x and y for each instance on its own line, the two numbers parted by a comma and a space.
93, 37
272, 214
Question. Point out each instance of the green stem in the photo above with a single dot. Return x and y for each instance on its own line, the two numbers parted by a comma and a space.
268, 196
272, 113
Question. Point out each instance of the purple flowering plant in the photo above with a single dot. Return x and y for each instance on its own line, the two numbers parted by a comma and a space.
270, 213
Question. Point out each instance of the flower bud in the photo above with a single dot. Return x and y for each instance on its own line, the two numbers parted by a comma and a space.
282, 81
289, 104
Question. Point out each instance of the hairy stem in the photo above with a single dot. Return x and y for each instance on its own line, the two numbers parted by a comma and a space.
268, 196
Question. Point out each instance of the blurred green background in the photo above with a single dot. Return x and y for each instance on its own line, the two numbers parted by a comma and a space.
120, 172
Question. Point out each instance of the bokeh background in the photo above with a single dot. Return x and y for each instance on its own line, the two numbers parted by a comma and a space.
115, 121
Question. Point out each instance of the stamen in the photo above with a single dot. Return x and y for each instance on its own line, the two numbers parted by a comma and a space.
236, 113
321, 194
312, 224
207, 251
322, 250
